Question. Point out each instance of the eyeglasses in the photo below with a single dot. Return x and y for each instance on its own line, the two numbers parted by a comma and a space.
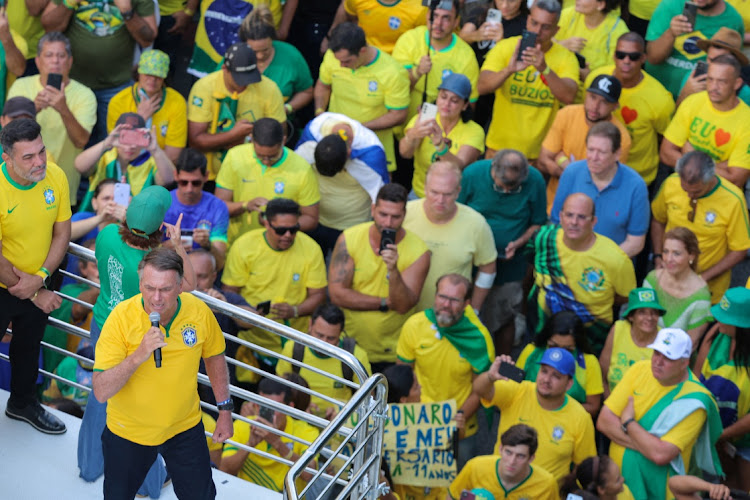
691, 213
573, 216
507, 188
634, 56
194, 183
281, 231
452, 300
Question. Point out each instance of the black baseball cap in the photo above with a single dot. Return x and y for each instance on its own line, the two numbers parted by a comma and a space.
606, 86
19, 106
241, 62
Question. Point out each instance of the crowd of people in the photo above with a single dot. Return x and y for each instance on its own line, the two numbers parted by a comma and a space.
530, 207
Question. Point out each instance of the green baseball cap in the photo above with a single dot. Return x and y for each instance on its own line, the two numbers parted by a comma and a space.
147, 209
154, 62
643, 298
733, 308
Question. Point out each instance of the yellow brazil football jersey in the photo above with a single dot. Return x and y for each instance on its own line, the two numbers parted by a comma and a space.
525, 99
463, 134
456, 246
368, 92
625, 353
723, 135
263, 273
170, 120
720, 223
743, 7
156, 404
600, 41
265, 471
322, 384
383, 24
595, 275
483, 473
588, 378
457, 57
208, 103
243, 174
27, 214
646, 111
441, 370
565, 435
646, 391
377, 332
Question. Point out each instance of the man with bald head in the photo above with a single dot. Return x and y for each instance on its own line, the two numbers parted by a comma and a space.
579, 270
458, 236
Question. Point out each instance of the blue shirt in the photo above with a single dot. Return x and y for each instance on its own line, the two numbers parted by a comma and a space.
210, 213
622, 207
72, 266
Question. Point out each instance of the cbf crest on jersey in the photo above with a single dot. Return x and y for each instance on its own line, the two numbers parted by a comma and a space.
189, 336
49, 196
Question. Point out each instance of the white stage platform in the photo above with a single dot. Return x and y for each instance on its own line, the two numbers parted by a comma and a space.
36, 466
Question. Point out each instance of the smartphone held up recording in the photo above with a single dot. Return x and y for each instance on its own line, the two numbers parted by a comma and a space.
140, 137
266, 413
494, 16
691, 12
55, 80
528, 39
511, 372
387, 237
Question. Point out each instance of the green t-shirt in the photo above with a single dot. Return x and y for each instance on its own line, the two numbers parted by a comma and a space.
101, 43
118, 271
508, 214
685, 52
56, 336
288, 70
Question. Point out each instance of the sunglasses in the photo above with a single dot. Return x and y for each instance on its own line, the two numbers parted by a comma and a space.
281, 231
691, 213
634, 56
194, 183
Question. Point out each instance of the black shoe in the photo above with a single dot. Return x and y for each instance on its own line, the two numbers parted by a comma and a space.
38, 417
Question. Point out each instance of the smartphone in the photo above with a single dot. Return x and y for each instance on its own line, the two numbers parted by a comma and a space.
387, 237
701, 68
54, 80
511, 372
266, 413
122, 193
581, 60
573, 496
468, 495
186, 236
140, 137
528, 39
429, 112
691, 12
494, 16
264, 307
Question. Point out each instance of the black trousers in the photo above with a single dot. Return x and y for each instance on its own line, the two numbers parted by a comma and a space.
28, 329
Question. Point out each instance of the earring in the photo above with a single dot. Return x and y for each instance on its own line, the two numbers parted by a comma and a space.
691, 262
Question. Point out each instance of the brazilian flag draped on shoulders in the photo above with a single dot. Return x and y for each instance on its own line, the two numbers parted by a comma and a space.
469, 337
218, 30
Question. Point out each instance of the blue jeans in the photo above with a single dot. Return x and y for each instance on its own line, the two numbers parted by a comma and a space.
90, 455
103, 96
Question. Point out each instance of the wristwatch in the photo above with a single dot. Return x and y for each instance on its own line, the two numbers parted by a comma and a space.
227, 405
127, 15
625, 424
383, 305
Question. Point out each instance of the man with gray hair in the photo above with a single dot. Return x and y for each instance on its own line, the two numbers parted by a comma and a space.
712, 208
510, 194
619, 192
64, 105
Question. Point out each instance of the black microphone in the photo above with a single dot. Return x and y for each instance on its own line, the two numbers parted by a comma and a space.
154, 317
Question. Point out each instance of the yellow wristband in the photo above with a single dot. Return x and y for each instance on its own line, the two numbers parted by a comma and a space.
319, 111
546, 70
188, 11
562, 160
290, 454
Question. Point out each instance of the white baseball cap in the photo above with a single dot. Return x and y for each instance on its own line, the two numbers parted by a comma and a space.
674, 343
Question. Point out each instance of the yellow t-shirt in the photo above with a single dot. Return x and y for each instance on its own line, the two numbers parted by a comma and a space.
643, 9
589, 378
625, 353
595, 275
524, 98
320, 383
28, 27
377, 332
441, 370
600, 41
723, 135
259, 100
646, 111
568, 134
456, 246
743, 7
243, 174
484, 473
81, 102
384, 24
720, 223
170, 119
368, 92
27, 215
265, 471
263, 273
457, 57
646, 391
463, 134
138, 176
566, 435
156, 404
342, 190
